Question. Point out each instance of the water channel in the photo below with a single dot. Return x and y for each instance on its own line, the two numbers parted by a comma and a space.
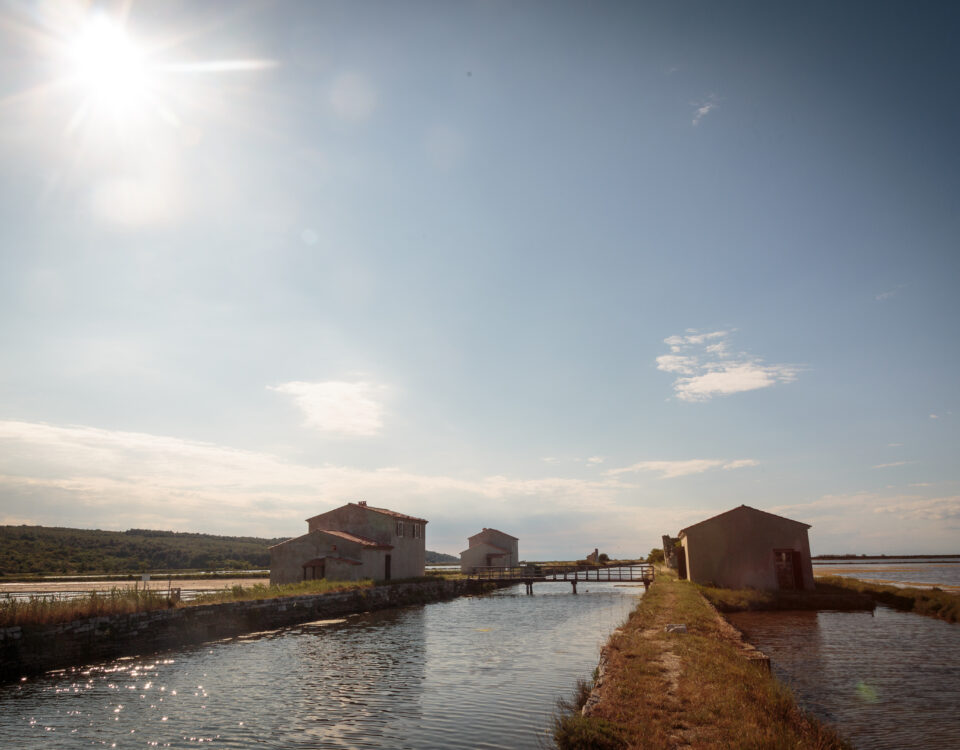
921, 573
884, 680
475, 672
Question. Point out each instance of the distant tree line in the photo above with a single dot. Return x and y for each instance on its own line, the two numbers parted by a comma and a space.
55, 550
435, 558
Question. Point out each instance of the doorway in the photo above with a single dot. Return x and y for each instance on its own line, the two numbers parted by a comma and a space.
386, 567
787, 565
317, 570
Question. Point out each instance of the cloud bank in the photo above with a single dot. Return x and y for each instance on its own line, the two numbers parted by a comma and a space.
87, 477
79, 475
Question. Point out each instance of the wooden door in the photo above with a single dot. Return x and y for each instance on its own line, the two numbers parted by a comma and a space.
785, 564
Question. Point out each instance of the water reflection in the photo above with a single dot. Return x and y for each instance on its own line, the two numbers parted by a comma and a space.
420, 677
885, 680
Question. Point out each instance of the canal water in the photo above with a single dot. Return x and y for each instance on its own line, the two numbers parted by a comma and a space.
475, 672
921, 573
884, 680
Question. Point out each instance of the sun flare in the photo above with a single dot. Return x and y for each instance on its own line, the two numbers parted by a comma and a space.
108, 65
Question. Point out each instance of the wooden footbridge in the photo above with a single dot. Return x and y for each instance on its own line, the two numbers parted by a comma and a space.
574, 574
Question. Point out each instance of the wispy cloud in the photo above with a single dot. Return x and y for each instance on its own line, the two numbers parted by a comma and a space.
892, 464
707, 367
839, 515
889, 294
704, 108
338, 407
682, 468
939, 509
596, 460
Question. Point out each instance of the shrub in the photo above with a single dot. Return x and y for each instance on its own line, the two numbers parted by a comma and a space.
577, 732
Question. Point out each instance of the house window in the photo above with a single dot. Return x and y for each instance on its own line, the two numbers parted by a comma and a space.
399, 528
416, 531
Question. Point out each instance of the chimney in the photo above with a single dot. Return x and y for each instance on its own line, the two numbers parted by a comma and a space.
363, 503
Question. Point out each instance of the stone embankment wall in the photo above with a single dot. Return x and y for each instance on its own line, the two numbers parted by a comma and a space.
28, 651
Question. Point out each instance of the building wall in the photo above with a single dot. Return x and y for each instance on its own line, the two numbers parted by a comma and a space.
476, 557
407, 558
484, 544
287, 558
735, 550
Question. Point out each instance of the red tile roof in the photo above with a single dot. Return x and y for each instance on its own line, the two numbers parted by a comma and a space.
741, 509
385, 511
496, 531
393, 513
362, 540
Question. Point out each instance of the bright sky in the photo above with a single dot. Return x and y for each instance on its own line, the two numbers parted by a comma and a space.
584, 272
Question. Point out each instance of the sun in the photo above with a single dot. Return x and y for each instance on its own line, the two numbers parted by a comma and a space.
122, 87
108, 66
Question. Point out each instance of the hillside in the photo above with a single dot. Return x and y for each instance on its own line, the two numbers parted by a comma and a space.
437, 558
56, 550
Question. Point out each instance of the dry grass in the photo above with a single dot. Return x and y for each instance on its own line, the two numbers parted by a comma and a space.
694, 689
39, 611
264, 591
931, 602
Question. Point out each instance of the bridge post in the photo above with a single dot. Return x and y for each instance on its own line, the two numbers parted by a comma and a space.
574, 582
529, 585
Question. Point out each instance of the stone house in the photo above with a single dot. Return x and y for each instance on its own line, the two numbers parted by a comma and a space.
352, 542
489, 548
747, 548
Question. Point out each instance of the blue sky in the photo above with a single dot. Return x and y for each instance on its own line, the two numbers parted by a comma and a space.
585, 273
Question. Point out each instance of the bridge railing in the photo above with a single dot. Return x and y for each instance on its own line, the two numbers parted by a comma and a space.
626, 572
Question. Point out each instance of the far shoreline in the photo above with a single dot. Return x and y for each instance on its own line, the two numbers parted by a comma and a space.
944, 558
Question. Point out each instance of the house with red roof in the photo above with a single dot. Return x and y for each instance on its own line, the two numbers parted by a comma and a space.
489, 548
352, 542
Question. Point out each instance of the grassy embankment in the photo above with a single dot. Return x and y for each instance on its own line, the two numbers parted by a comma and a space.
931, 602
48, 611
697, 689
825, 596
839, 593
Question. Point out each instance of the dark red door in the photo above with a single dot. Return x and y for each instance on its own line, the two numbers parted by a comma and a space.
783, 560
